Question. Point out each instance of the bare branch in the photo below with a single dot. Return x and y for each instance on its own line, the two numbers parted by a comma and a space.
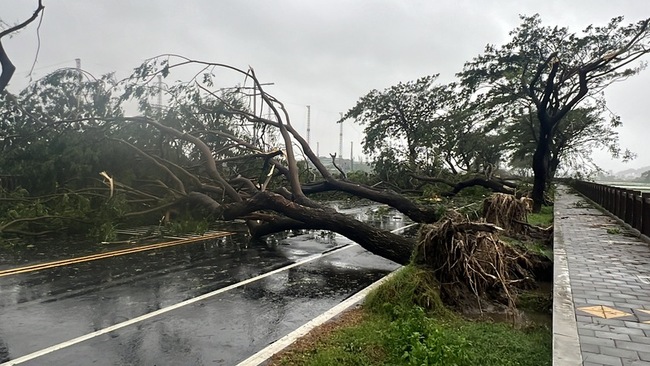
179, 184
343, 175
8, 68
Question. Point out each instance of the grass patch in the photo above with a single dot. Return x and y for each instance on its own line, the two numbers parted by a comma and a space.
408, 287
536, 301
614, 230
532, 245
544, 218
395, 330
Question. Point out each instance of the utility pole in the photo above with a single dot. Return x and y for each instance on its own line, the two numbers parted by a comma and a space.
308, 124
78, 61
79, 80
317, 149
341, 136
351, 156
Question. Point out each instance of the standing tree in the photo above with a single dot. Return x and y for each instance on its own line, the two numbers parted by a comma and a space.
555, 71
401, 122
582, 130
418, 130
8, 67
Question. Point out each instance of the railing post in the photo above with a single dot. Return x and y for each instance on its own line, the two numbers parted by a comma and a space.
618, 197
638, 211
629, 207
645, 226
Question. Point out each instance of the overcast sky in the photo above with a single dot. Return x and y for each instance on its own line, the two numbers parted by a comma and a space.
324, 53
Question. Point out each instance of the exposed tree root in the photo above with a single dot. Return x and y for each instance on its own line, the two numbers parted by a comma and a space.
507, 212
472, 265
510, 214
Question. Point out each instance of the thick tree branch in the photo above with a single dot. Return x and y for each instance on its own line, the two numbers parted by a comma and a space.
8, 68
179, 184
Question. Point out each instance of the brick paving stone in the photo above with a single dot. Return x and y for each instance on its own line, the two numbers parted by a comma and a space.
623, 353
597, 341
612, 335
635, 363
631, 345
602, 359
604, 270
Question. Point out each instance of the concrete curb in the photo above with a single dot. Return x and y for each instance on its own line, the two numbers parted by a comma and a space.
566, 346
282, 343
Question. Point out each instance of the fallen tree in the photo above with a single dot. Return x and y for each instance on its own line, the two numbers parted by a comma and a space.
273, 198
210, 153
492, 183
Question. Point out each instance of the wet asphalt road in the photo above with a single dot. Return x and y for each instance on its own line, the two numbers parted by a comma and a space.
45, 308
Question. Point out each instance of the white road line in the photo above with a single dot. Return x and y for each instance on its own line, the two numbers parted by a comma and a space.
403, 228
138, 319
287, 340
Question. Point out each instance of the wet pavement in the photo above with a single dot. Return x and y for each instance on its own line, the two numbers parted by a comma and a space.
50, 307
602, 316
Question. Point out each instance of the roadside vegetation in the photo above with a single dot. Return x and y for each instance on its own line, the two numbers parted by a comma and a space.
412, 320
404, 322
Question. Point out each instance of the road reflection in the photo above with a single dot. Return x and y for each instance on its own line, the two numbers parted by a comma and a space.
43, 308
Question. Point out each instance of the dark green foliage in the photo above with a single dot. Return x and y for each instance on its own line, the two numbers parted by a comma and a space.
547, 72
579, 133
61, 131
396, 331
421, 127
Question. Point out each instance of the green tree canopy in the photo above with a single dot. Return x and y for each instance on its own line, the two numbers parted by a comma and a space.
403, 119
553, 70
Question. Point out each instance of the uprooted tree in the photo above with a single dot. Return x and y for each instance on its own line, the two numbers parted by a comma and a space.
205, 151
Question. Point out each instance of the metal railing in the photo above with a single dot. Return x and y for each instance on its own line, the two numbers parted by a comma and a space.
629, 205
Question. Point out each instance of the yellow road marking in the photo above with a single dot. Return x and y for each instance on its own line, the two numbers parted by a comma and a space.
115, 253
603, 311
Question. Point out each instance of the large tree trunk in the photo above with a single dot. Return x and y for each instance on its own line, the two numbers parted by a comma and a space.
540, 167
380, 242
415, 212
496, 184
7, 68
553, 164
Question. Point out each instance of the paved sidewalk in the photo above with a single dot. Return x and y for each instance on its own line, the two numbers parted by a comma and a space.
609, 277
